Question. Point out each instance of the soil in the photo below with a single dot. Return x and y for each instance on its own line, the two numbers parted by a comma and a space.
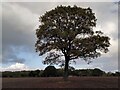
58, 82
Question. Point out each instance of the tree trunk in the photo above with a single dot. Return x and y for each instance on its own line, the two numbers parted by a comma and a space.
66, 68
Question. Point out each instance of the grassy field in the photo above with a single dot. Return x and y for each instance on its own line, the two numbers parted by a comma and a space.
58, 82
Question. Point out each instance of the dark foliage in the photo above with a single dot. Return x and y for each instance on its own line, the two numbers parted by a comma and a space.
35, 73
52, 72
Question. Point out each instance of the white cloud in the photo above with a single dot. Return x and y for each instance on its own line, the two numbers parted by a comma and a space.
114, 46
110, 28
113, 50
15, 67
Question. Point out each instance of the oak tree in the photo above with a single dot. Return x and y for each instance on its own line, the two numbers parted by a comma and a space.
69, 30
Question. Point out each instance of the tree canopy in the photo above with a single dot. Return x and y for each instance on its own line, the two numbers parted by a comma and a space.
50, 71
69, 30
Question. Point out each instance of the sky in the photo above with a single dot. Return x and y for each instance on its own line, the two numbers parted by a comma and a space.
21, 19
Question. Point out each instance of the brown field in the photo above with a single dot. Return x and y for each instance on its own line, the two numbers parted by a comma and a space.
58, 82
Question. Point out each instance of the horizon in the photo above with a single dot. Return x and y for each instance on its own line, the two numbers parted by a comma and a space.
57, 68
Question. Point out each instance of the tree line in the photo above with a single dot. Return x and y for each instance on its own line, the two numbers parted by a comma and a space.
51, 71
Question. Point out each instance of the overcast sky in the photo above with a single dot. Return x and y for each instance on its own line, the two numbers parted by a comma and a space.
20, 19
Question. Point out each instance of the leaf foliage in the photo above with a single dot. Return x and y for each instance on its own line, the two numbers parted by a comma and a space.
70, 30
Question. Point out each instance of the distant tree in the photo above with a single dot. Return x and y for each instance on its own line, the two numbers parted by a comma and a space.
83, 72
109, 73
41, 73
60, 72
37, 72
97, 72
50, 71
69, 30
117, 73
32, 74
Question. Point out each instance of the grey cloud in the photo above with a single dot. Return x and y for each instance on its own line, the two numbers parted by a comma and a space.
13, 59
0, 32
119, 21
17, 33
103, 14
103, 63
39, 7
10, 56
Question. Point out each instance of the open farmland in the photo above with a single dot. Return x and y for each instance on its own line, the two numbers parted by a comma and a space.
58, 82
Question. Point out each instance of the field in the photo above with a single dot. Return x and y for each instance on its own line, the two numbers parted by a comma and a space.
58, 82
